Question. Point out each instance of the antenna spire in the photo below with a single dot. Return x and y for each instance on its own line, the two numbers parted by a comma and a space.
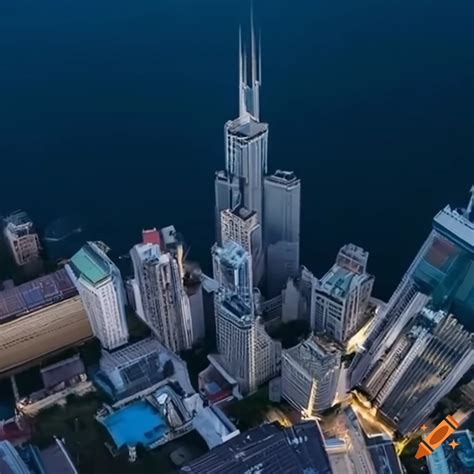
242, 77
249, 97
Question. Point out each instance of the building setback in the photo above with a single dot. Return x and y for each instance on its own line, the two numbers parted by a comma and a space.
241, 226
102, 292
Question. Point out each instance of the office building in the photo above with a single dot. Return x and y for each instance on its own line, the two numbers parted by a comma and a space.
38, 318
299, 297
441, 275
282, 209
425, 362
247, 352
246, 144
102, 292
310, 374
241, 226
268, 448
22, 238
162, 300
343, 294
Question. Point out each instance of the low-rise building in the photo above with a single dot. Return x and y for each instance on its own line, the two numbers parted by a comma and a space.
268, 448
38, 318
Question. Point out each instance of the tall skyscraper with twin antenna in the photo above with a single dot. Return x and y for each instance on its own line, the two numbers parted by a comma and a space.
246, 142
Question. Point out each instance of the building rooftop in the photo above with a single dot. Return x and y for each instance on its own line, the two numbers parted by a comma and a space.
18, 219
10, 460
89, 264
56, 460
286, 178
383, 454
337, 281
231, 254
267, 449
34, 295
247, 127
456, 226
151, 236
62, 371
243, 212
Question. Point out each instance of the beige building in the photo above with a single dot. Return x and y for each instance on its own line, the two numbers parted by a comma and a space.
42, 332
40, 317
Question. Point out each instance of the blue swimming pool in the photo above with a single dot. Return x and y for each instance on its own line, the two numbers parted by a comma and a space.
137, 423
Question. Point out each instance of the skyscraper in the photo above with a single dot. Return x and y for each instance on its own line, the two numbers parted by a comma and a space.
423, 364
241, 225
101, 289
163, 302
310, 374
246, 351
343, 293
246, 144
282, 208
441, 275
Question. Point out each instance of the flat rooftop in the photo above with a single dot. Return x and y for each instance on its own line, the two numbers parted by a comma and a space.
243, 212
267, 449
247, 127
34, 295
88, 264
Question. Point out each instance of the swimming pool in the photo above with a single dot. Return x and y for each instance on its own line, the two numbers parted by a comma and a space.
137, 423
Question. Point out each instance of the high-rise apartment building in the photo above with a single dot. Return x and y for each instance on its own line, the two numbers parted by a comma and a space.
310, 375
102, 292
241, 226
423, 364
282, 208
162, 300
343, 294
22, 238
441, 275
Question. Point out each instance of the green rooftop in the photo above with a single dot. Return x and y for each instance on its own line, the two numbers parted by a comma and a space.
89, 265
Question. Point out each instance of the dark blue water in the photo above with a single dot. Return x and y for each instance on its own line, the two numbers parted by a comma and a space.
114, 110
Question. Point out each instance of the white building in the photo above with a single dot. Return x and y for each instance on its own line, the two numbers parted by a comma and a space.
102, 293
343, 295
282, 208
160, 298
310, 374
247, 352
22, 238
